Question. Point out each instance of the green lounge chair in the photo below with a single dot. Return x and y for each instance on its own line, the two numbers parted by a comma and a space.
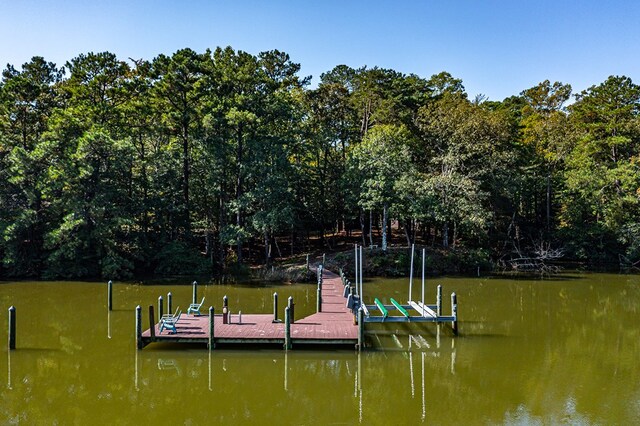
194, 308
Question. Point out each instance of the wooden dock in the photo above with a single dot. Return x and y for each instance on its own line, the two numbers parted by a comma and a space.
334, 325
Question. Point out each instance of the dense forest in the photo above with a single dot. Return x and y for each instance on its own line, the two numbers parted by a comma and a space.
200, 162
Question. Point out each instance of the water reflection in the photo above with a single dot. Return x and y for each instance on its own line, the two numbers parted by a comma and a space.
547, 352
9, 369
108, 324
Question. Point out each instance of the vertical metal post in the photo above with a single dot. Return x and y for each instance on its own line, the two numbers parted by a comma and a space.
355, 269
439, 300
160, 307
361, 280
423, 263
12, 328
139, 344
275, 307
454, 313
110, 295
195, 292
169, 303
211, 325
287, 328
411, 275
360, 329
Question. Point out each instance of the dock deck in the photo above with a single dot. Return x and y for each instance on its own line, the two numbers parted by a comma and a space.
333, 325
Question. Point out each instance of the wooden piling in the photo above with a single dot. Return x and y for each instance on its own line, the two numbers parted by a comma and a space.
161, 307
287, 328
291, 307
195, 292
318, 300
110, 295
169, 303
439, 300
12, 328
360, 329
152, 323
454, 313
139, 344
275, 307
211, 333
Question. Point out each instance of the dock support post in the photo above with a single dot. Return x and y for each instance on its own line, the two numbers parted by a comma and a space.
360, 329
225, 309
361, 293
291, 306
319, 300
454, 313
161, 307
307, 262
287, 328
275, 307
152, 324
110, 295
169, 303
139, 344
195, 292
324, 256
439, 300
211, 334
12, 328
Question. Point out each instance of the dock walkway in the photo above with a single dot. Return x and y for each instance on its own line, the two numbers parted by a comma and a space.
333, 325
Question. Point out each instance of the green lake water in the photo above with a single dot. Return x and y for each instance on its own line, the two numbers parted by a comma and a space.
557, 351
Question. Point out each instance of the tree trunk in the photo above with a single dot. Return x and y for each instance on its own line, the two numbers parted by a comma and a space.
362, 229
267, 248
407, 231
445, 236
370, 227
384, 227
239, 155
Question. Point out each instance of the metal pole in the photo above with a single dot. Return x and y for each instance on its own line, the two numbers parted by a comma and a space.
12, 328
110, 295
355, 270
411, 274
423, 262
361, 280
360, 329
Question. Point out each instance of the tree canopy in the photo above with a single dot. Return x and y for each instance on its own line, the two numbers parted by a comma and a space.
194, 162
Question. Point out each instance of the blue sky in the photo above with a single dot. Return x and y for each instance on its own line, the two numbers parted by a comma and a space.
498, 48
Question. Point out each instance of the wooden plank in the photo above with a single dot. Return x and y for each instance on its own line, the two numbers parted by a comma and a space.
399, 307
